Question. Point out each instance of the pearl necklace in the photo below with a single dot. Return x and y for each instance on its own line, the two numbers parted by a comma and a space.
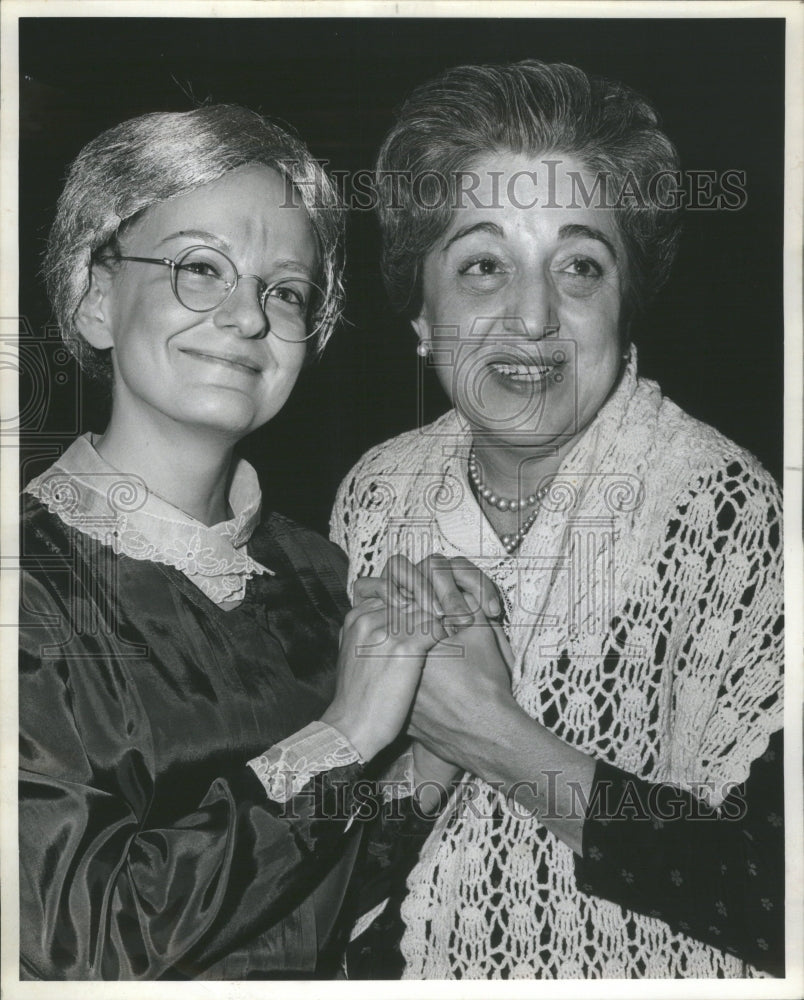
510, 541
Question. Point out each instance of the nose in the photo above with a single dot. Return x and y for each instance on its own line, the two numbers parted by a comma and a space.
242, 312
531, 308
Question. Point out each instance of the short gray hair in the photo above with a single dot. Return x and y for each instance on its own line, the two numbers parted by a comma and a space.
149, 159
527, 107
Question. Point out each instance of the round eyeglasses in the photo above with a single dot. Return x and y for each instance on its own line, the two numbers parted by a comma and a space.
203, 278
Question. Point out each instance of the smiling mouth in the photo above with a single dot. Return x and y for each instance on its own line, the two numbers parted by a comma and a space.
236, 364
523, 373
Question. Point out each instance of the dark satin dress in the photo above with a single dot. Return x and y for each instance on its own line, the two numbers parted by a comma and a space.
148, 848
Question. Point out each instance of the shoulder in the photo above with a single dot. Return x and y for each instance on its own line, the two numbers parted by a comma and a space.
704, 494
717, 464
683, 456
302, 547
384, 479
55, 566
43, 533
409, 452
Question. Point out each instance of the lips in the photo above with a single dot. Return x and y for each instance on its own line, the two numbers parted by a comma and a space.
237, 362
517, 366
523, 373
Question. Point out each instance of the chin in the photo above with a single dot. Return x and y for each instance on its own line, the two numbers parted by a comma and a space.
224, 421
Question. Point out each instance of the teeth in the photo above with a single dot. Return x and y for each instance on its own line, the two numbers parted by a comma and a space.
522, 371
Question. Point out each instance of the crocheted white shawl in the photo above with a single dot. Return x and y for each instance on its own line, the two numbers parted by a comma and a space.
643, 612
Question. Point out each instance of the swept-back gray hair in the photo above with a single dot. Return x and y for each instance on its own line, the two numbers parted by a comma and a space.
149, 159
528, 107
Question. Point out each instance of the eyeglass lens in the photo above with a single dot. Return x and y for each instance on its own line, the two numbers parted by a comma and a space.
204, 278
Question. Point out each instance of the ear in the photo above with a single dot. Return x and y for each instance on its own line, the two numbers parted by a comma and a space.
92, 315
422, 327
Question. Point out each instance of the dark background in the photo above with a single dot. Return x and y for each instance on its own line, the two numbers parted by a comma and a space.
714, 338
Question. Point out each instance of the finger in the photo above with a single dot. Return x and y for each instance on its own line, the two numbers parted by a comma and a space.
366, 628
354, 615
410, 583
479, 624
504, 646
492, 631
413, 629
367, 587
474, 581
417, 626
457, 610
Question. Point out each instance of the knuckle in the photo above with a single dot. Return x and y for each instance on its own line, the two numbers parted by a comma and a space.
352, 616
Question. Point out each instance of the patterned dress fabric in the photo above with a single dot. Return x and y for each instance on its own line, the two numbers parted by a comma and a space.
149, 849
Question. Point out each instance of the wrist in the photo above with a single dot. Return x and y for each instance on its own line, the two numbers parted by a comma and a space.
359, 734
429, 766
487, 751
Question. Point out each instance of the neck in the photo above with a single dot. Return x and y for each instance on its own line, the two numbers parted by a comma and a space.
516, 470
188, 468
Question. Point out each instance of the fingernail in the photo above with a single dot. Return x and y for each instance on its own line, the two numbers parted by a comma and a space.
495, 607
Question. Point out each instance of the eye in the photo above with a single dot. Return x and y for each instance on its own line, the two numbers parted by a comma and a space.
583, 267
205, 264
201, 269
579, 275
482, 267
293, 296
483, 274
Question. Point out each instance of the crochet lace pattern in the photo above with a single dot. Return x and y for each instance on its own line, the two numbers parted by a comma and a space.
644, 611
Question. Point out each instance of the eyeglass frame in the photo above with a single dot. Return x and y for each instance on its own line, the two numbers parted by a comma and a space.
174, 265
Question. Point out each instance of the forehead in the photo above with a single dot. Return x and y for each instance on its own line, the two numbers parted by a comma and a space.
250, 209
532, 192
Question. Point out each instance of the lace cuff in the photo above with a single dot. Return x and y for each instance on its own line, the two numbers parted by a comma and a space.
290, 764
399, 780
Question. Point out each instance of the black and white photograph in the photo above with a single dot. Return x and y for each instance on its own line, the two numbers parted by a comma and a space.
401, 478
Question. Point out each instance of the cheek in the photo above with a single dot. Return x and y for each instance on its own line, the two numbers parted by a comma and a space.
283, 367
438, 297
596, 322
289, 358
446, 377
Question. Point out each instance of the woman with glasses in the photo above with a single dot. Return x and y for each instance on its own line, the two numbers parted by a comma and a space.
620, 813
190, 737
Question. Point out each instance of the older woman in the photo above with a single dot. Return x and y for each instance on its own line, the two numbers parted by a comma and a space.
188, 759
603, 828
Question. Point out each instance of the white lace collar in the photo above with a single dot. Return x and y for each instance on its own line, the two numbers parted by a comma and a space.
119, 510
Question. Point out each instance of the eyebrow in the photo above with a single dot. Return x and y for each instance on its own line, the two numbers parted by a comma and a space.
291, 264
590, 233
198, 234
482, 227
288, 263
565, 232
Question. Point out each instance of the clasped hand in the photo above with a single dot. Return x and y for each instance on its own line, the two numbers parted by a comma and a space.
421, 648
